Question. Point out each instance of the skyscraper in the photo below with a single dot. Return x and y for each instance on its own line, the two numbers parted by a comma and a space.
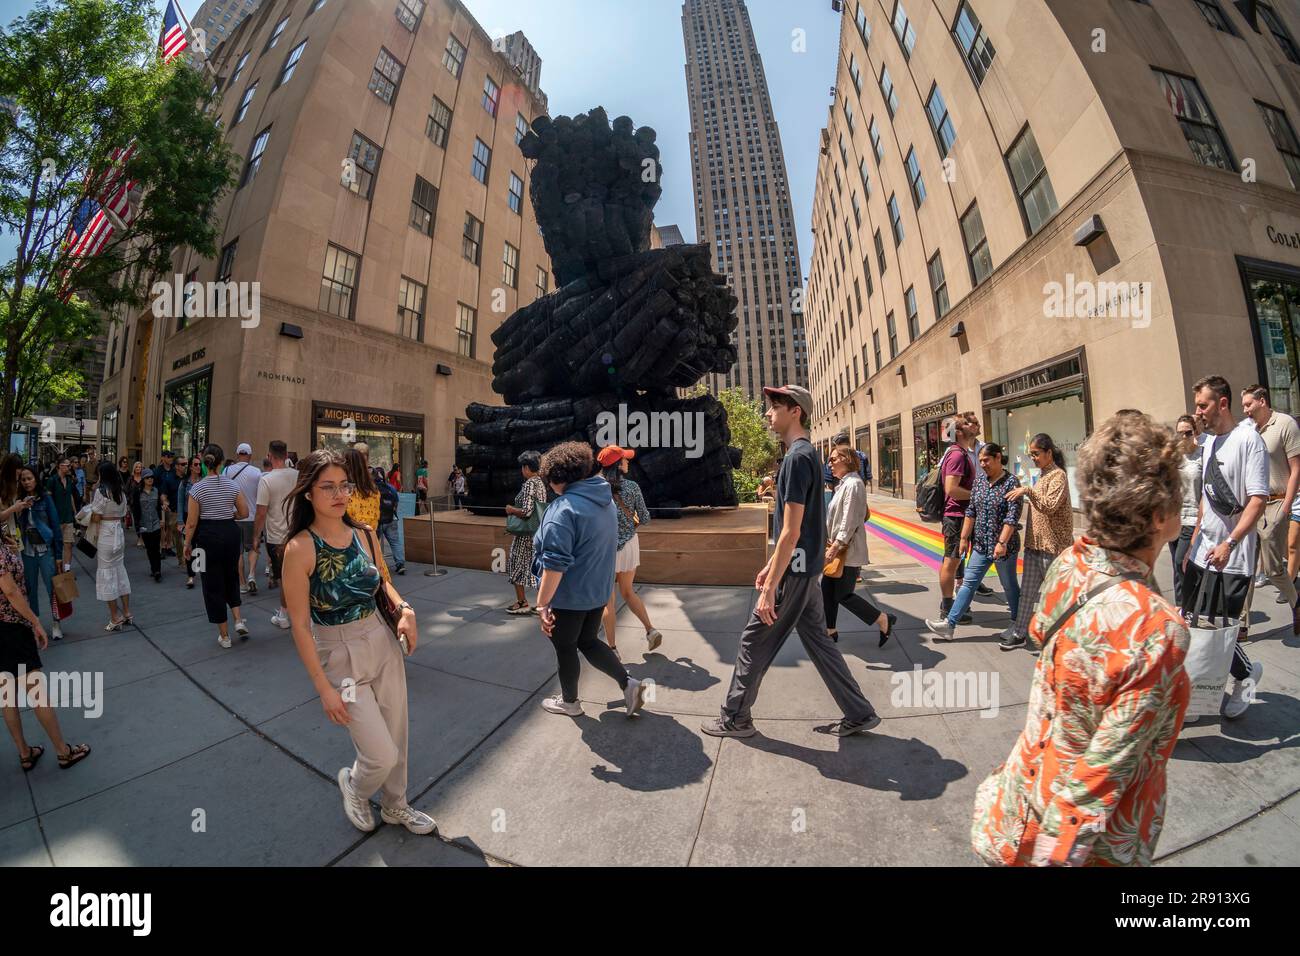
742, 195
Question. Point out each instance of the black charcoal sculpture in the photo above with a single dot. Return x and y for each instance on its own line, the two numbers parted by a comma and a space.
626, 327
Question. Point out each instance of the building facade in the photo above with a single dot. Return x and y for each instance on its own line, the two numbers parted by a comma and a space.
1044, 211
742, 195
381, 210
219, 19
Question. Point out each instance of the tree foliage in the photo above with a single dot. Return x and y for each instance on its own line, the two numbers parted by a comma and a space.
749, 432
86, 78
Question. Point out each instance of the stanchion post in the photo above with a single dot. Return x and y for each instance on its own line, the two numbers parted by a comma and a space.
433, 549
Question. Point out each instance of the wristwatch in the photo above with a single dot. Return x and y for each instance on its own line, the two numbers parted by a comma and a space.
1232, 543
405, 607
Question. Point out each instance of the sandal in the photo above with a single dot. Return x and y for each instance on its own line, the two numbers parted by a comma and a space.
519, 607
75, 754
33, 757
128, 619
113, 626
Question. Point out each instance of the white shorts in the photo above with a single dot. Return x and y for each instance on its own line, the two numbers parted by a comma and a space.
629, 556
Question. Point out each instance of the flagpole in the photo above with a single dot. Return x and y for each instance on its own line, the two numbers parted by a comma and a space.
189, 27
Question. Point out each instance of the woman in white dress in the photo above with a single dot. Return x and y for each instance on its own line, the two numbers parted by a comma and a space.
110, 506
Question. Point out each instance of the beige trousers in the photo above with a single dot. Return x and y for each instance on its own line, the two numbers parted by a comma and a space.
1270, 557
364, 663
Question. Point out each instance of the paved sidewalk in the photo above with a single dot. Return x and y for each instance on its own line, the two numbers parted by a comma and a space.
236, 740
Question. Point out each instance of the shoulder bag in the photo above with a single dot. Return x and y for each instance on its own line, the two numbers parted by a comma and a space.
384, 603
1217, 490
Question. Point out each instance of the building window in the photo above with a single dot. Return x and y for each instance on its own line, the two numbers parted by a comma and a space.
895, 220
1183, 95
239, 68
1279, 31
482, 161
255, 157
887, 91
386, 76
940, 121
466, 323
977, 245
226, 265
410, 309
316, 5
913, 319
880, 253
189, 296
290, 64
938, 287
903, 29
1214, 16
892, 329
864, 29
439, 123
973, 42
409, 13
874, 131
855, 71
491, 96
424, 206
1284, 138
521, 128
914, 178
338, 282
857, 217
243, 105
453, 58
510, 266
516, 198
471, 243
541, 282
275, 34
875, 345
866, 177
1033, 185
365, 157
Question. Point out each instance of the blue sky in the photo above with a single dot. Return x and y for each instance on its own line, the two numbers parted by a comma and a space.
628, 56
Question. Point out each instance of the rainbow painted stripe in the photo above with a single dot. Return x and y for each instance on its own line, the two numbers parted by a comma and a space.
919, 541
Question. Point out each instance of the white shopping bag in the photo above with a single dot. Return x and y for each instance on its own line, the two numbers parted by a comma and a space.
1209, 656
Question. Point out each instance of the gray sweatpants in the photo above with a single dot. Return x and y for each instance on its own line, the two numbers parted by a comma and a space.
798, 606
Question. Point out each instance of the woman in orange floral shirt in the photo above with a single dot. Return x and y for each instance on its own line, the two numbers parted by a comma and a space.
1085, 782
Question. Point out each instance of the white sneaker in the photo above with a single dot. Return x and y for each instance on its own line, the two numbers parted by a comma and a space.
1243, 693
941, 629
653, 639
634, 696
355, 806
557, 705
56, 633
281, 620
409, 817
224, 641
241, 628
243, 588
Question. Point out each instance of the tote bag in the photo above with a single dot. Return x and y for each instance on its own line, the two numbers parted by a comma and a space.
1209, 655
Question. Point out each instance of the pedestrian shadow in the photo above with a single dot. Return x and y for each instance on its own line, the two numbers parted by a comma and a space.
1271, 723
886, 586
648, 753
679, 674
909, 767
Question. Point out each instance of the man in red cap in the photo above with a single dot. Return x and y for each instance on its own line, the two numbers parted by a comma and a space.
789, 585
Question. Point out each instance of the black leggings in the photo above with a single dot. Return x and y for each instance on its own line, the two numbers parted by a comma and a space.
837, 591
576, 631
152, 548
221, 544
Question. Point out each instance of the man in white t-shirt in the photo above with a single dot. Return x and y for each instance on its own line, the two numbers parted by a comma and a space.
246, 475
273, 488
1234, 470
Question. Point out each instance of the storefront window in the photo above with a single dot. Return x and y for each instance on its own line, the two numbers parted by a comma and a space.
862, 442
1277, 313
108, 435
889, 461
391, 436
1062, 416
185, 413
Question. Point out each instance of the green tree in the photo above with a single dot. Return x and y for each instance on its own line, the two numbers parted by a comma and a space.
85, 78
749, 432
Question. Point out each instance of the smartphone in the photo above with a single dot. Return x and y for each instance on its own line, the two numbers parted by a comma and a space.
406, 648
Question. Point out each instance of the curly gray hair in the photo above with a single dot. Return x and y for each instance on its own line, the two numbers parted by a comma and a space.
1128, 472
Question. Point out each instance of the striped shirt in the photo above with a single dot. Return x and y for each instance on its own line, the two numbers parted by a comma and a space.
215, 495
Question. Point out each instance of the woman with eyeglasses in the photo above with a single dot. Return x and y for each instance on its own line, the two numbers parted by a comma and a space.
332, 573
1190, 467
213, 540
1049, 530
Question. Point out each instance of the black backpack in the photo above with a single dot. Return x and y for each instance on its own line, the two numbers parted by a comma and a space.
388, 502
929, 493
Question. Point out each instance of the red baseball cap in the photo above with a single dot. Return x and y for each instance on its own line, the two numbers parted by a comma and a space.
612, 453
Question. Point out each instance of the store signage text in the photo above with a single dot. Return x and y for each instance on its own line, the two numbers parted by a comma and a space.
1289, 239
939, 409
1031, 381
360, 418
1085, 299
280, 377
185, 360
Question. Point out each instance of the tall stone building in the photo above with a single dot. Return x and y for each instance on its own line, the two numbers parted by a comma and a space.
742, 195
381, 212
219, 19
1044, 211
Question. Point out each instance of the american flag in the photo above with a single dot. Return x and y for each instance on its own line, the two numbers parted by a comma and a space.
113, 189
172, 42
90, 230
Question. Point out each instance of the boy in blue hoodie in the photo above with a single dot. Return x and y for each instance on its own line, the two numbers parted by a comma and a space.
574, 557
